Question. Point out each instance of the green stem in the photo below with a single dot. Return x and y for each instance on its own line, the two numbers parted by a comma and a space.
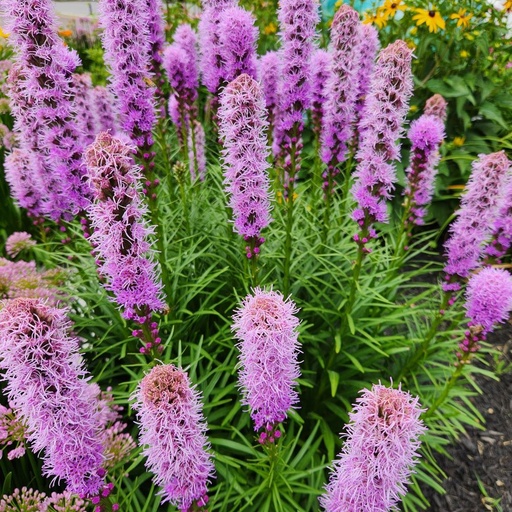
446, 390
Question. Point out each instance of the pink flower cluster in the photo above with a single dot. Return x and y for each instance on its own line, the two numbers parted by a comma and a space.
266, 327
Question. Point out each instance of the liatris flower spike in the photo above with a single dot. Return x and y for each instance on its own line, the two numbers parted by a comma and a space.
426, 135
342, 89
266, 327
47, 385
381, 447
120, 234
269, 72
321, 69
381, 124
172, 432
488, 302
18, 242
476, 217
242, 119
436, 106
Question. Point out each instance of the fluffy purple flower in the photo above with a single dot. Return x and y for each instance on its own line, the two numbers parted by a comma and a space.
173, 433
381, 124
270, 71
321, 70
120, 234
48, 385
103, 109
156, 34
436, 106
368, 47
342, 88
18, 242
127, 43
489, 297
380, 449
501, 238
243, 121
475, 218
197, 151
47, 65
85, 118
238, 38
211, 60
426, 135
266, 327
297, 20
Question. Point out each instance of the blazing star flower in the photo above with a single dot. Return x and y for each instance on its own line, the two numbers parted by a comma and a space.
431, 17
298, 20
156, 38
103, 111
18, 242
501, 238
368, 47
242, 119
120, 234
197, 151
381, 447
126, 41
266, 327
436, 106
47, 385
238, 37
381, 124
173, 434
342, 89
269, 72
86, 121
489, 297
321, 71
42, 54
426, 135
475, 219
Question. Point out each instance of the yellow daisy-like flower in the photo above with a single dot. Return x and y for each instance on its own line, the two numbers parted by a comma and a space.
462, 18
271, 28
508, 5
431, 18
376, 19
391, 7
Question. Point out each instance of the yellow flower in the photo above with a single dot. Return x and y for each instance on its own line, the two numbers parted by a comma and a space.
270, 29
414, 31
462, 18
459, 141
464, 54
508, 5
413, 108
3, 34
391, 7
431, 18
65, 33
411, 44
376, 19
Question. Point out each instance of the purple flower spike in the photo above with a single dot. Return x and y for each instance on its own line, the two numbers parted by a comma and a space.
197, 151
48, 385
103, 107
126, 41
266, 327
156, 40
243, 121
297, 20
173, 433
321, 70
47, 65
381, 124
381, 447
436, 106
211, 61
270, 71
476, 217
86, 121
238, 39
342, 89
120, 234
489, 298
426, 135
368, 47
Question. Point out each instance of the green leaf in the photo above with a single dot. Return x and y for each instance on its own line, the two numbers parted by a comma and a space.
334, 379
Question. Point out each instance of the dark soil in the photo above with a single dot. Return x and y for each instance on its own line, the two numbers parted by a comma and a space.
484, 455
